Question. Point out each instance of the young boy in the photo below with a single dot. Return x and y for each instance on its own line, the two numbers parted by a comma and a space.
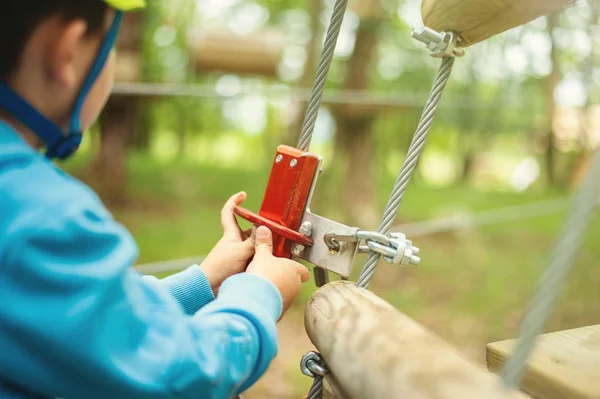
75, 321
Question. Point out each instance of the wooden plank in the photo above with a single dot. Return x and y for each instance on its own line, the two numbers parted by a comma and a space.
565, 364
477, 20
376, 352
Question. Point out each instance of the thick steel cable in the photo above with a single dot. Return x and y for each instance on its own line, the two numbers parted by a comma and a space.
414, 152
333, 31
308, 126
553, 280
316, 390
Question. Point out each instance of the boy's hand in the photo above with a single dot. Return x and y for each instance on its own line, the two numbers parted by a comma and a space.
231, 254
285, 274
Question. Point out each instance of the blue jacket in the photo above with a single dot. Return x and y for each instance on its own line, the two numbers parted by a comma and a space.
77, 322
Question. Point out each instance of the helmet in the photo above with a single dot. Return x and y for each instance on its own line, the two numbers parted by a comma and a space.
57, 144
126, 5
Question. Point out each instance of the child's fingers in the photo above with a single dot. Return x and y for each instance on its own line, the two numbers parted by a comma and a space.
303, 272
248, 234
228, 220
264, 241
249, 243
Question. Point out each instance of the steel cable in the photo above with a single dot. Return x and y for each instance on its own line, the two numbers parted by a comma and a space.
414, 152
553, 280
333, 32
316, 390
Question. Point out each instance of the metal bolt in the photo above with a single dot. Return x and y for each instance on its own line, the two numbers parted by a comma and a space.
293, 163
298, 250
279, 158
305, 229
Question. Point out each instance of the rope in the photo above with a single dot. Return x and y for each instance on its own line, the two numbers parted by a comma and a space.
316, 390
414, 152
552, 282
308, 127
290, 94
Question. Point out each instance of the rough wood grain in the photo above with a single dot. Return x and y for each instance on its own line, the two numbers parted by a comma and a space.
565, 364
376, 352
477, 20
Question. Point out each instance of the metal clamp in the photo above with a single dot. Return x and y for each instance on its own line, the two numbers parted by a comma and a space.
395, 248
444, 44
399, 252
313, 365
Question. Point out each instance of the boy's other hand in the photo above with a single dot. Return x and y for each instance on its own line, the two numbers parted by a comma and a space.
285, 274
232, 253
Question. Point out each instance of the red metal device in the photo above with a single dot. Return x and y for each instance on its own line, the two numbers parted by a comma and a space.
288, 193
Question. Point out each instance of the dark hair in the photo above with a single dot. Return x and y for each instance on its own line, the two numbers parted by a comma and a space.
19, 19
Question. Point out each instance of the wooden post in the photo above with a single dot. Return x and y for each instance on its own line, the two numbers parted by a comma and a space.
376, 352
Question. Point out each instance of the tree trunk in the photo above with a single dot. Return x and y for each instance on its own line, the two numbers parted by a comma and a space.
353, 136
551, 83
468, 162
308, 77
182, 129
143, 133
582, 163
117, 125
108, 175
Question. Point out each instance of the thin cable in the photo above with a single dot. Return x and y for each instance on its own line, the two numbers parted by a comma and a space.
316, 390
553, 280
414, 152
308, 127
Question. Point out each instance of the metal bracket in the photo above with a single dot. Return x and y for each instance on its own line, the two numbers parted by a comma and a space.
338, 261
444, 44
286, 199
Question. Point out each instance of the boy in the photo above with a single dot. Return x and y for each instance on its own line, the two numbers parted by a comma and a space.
75, 321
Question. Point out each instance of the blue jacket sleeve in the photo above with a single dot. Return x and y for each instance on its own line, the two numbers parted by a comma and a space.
75, 321
190, 288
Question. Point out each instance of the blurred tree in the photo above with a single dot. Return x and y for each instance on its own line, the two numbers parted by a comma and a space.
551, 84
118, 120
581, 165
308, 76
354, 144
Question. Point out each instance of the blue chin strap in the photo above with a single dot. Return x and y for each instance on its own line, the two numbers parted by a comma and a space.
58, 145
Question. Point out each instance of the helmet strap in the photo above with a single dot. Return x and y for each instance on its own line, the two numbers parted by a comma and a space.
58, 145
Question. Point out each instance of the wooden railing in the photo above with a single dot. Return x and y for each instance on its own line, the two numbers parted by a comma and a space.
374, 351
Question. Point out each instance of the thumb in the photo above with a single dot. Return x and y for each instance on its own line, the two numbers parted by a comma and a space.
304, 273
264, 241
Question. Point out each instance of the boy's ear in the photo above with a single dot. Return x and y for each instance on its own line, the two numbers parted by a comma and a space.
64, 58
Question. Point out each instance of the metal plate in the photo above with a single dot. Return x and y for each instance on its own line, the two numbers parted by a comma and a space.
320, 255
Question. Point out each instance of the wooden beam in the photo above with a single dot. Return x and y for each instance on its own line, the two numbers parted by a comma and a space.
477, 20
376, 352
565, 364
254, 54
